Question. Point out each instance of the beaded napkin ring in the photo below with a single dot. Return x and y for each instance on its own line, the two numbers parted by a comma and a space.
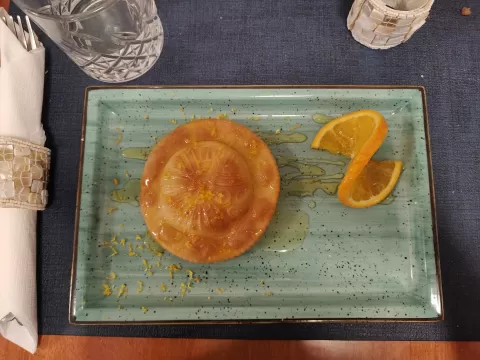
376, 24
24, 169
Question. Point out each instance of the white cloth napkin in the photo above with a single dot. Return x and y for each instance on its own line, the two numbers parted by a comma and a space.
21, 93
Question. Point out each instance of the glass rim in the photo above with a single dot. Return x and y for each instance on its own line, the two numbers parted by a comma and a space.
81, 16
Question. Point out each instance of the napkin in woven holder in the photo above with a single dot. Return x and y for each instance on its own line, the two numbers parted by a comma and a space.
22, 75
382, 24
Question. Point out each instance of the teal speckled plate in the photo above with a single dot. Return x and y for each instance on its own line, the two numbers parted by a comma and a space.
318, 260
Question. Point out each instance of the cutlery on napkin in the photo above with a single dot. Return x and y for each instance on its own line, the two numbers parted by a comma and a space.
21, 96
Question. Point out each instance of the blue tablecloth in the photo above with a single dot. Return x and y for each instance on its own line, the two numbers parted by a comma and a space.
292, 42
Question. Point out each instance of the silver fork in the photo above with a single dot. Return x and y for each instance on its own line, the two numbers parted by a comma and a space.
29, 42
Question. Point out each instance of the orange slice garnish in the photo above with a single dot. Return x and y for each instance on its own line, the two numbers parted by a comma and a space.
358, 136
373, 184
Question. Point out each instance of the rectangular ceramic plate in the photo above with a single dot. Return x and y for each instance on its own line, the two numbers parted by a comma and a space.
318, 260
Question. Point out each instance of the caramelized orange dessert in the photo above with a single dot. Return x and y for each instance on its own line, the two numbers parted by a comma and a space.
209, 190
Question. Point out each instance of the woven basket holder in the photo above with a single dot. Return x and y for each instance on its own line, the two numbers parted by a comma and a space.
377, 26
24, 169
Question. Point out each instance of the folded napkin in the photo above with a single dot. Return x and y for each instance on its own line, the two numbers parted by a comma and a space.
21, 92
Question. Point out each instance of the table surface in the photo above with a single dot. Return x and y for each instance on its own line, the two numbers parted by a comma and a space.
4, 3
286, 42
72, 347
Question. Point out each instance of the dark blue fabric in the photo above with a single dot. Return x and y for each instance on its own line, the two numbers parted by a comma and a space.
292, 42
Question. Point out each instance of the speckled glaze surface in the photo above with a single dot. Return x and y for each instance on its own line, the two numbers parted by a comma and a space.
318, 259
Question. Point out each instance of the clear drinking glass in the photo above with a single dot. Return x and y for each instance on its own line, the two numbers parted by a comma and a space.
111, 40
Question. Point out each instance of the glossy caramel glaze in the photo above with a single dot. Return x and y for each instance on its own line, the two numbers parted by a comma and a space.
209, 190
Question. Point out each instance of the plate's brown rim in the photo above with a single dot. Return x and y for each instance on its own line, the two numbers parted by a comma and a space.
433, 204
259, 321
71, 303
143, 87
72, 319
